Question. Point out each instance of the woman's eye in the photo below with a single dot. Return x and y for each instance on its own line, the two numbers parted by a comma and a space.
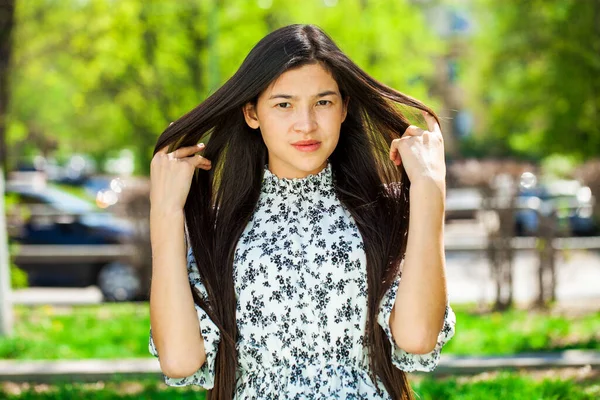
284, 105
323, 102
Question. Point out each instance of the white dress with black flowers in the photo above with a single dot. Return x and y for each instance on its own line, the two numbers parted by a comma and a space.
300, 281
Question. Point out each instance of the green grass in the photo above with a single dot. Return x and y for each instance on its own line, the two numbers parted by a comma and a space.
518, 331
106, 331
121, 331
143, 389
505, 386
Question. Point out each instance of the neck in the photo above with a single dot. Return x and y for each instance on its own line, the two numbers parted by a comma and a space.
289, 172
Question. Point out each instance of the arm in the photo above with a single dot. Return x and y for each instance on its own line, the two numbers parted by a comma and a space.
418, 312
175, 326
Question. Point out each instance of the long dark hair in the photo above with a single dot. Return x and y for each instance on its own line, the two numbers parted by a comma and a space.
368, 184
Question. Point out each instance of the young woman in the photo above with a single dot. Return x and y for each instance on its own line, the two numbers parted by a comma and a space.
295, 206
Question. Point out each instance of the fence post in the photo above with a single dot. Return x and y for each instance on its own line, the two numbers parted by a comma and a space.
501, 199
6, 311
547, 232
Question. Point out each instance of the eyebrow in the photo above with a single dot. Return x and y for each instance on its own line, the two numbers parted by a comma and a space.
288, 96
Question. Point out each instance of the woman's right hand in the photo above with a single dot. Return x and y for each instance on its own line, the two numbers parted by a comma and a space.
171, 176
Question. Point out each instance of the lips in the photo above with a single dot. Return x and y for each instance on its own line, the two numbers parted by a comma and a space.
306, 142
307, 145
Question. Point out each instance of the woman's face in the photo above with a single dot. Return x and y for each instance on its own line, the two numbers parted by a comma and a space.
302, 105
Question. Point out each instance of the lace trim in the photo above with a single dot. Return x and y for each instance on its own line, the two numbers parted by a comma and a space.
311, 183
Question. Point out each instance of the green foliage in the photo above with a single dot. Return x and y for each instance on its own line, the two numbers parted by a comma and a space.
534, 75
479, 146
558, 166
121, 330
515, 386
518, 331
118, 388
46, 332
100, 75
18, 277
511, 386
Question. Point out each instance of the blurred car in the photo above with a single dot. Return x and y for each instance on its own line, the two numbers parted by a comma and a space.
45, 215
572, 202
106, 189
463, 203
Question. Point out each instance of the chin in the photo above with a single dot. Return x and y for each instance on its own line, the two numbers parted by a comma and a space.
305, 167
311, 165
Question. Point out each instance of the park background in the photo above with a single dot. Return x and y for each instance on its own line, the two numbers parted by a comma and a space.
87, 86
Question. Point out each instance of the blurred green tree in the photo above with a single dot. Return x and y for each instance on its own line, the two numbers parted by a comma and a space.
533, 73
100, 75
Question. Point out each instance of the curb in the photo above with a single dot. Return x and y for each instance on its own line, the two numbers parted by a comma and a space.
97, 370
466, 365
44, 371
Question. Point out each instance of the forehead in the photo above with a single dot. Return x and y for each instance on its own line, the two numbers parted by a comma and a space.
307, 80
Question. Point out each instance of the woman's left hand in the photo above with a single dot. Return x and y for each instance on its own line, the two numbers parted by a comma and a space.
421, 152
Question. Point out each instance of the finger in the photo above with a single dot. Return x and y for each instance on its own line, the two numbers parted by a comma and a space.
164, 150
203, 163
393, 150
432, 124
187, 151
198, 161
413, 130
395, 154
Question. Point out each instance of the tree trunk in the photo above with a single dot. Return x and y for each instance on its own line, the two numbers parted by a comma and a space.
6, 311
7, 16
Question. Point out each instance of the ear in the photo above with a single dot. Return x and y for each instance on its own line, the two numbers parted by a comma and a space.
345, 108
250, 115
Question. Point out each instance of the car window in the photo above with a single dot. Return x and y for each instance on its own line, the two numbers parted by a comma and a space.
67, 202
23, 198
56, 199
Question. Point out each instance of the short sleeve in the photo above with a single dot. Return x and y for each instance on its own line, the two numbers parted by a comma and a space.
408, 361
205, 376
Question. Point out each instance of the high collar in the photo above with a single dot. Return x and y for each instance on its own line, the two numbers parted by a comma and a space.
321, 181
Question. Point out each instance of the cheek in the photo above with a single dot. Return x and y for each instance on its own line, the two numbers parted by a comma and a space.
332, 116
334, 140
272, 120
269, 140
332, 124
274, 135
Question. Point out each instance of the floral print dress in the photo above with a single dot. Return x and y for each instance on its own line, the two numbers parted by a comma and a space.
301, 288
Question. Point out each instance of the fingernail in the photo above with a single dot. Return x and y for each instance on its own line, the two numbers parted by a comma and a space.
200, 145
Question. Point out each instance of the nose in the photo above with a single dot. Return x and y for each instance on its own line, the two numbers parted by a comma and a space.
305, 121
